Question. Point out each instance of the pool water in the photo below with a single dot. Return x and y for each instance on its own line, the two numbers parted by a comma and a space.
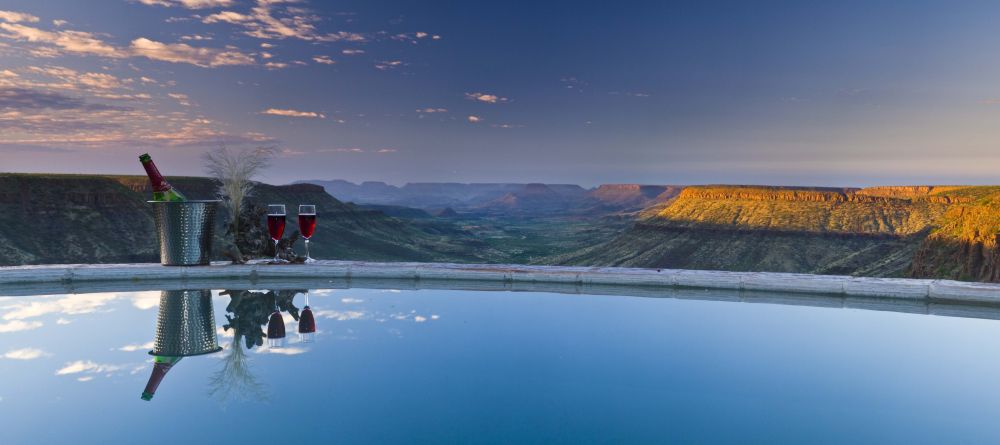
453, 366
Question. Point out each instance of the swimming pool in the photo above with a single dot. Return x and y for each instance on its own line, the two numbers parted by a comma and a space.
472, 366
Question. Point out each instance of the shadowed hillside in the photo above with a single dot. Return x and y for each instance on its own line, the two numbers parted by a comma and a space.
89, 218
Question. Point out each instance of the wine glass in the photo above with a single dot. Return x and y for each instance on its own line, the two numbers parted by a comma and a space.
307, 225
276, 225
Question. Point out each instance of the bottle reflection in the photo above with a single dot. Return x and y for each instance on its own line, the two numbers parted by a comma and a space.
185, 326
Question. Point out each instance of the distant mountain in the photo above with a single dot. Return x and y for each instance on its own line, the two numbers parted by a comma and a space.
90, 218
632, 197
501, 198
446, 212
883, 231
537, 199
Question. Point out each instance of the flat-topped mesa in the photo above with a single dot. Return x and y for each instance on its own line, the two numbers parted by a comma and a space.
934, 194
797, 209
768, 193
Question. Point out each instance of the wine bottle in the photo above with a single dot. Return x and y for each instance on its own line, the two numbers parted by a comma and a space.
162, 190
160, 367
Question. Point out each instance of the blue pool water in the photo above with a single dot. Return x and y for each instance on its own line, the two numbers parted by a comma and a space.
454, 366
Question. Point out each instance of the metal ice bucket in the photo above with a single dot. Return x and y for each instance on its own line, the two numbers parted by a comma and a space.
185, 324
185, 229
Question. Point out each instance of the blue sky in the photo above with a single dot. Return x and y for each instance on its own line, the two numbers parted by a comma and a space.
851, 93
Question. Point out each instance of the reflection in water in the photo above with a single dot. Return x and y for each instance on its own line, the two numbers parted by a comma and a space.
247, 312
307, 324
185, 326
251, 310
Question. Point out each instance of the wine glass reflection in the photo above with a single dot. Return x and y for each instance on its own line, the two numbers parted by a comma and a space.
186, 327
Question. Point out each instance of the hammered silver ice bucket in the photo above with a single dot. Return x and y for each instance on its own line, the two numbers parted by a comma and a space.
185, 229
185, 324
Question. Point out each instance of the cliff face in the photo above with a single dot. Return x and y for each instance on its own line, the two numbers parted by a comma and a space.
85, 218
964, 244
805, 210
922, 231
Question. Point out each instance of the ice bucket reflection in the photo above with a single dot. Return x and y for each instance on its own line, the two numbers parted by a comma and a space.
185, 325
185, 230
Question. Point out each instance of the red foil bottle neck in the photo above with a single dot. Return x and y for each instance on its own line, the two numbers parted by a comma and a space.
155, 178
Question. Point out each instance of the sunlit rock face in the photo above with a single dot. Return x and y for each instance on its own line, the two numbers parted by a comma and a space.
923, 231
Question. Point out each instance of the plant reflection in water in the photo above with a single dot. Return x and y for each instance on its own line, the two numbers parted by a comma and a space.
246, 314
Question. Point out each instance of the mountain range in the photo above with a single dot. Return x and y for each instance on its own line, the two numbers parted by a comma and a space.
904, 231
503, 198
93, 218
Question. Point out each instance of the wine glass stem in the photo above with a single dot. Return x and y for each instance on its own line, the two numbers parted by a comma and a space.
307, 250
275, 250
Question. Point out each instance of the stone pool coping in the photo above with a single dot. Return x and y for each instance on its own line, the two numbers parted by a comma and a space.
67, 275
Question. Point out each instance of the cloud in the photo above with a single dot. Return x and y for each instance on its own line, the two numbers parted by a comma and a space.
349, 300
86, 366
275, 65
386, 150
352, 52
18, 325
292, 113
474, 119
133, 347
58, 22
180, 98
388, 64
27, 99
487, 98
184, 53
326, 60
268, 19
25, 354
16, 17
632, 94
432, 110
340, 315
196, 37
76, 42
573, 83
282, 351
414, 38
85, 43
341, 150
189, 4
70, 305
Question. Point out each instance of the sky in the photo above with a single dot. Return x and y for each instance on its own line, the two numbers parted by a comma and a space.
659, 92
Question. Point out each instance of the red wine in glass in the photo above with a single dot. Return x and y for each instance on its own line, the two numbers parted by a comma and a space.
307, 225
276, 225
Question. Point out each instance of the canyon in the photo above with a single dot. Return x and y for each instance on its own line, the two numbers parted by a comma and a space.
894, 231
